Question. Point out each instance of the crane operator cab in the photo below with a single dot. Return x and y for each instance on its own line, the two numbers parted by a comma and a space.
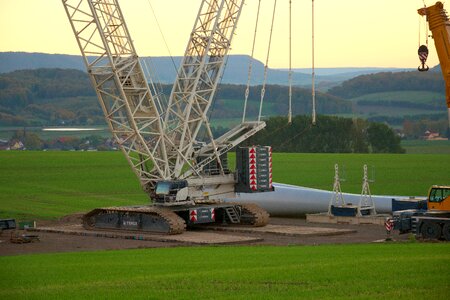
439, 198
168, 191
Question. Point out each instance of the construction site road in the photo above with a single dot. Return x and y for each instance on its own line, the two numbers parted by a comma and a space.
280, 231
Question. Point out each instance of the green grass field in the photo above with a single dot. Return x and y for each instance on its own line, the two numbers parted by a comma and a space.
48, 185
428, 147
45, 185
53, 184
394, 174
403, 96
387, 104
372, 271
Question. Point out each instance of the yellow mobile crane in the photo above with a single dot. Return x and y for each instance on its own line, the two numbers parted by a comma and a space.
439, 25
433, 222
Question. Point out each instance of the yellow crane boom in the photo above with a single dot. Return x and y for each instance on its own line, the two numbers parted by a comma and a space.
439, 25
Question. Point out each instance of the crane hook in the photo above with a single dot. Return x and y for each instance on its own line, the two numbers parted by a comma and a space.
423, 55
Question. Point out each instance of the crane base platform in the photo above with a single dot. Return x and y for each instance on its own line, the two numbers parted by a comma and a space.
327, 219
285, 230
188, 237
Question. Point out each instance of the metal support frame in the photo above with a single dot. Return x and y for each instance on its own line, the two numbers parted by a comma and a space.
366, 201
337, 198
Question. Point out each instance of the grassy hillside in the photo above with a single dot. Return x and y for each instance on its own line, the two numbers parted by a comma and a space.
417, 97
430, 147
45, 97
46, 185
400, 104
389, 81
313, 272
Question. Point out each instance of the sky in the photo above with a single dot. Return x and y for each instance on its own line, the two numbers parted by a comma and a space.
348, 33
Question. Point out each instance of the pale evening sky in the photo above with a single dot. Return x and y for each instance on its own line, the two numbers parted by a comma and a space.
349, 33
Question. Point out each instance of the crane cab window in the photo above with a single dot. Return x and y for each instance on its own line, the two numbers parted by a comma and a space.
163, 188
438, 195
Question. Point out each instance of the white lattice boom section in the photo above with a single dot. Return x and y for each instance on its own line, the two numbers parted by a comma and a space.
123, 92
196, 84
159, 144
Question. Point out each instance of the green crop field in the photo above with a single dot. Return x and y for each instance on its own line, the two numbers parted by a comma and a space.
52, 184
403, 96
371, 271
399, 103
393, 174
45, 185
429, 147
48, 185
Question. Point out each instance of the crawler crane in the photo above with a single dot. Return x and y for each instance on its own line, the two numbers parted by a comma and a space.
185, 176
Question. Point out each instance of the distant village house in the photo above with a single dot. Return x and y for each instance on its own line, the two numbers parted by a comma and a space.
433, 136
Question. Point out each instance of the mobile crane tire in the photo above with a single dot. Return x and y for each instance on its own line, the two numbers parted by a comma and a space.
430, 230
446, 232
143, 219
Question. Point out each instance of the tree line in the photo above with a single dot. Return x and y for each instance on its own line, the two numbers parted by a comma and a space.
329, 135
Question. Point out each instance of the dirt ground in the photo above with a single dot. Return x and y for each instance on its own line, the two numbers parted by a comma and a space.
57, 242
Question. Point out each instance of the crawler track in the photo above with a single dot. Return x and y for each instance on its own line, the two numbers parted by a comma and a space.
253, 214
143, 218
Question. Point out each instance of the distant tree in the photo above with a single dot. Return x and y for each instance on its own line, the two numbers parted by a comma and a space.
359, 136
33, 141
383, 139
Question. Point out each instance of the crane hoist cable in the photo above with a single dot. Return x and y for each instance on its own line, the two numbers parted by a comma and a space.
266, 66
163, 36
250, 64
295, 137
423, 48
290, 63
313, 71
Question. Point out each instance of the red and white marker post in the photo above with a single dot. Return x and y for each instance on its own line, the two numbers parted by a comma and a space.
389, 225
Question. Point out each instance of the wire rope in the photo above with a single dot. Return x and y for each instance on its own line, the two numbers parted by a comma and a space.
297, 135
290, 63
313, 71
266, 66
250, 64
162, 35
425, 26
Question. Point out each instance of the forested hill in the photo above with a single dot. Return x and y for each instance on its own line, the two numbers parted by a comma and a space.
387, 82
43, 97
236, 70
58, 96
47, 96
22, 87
